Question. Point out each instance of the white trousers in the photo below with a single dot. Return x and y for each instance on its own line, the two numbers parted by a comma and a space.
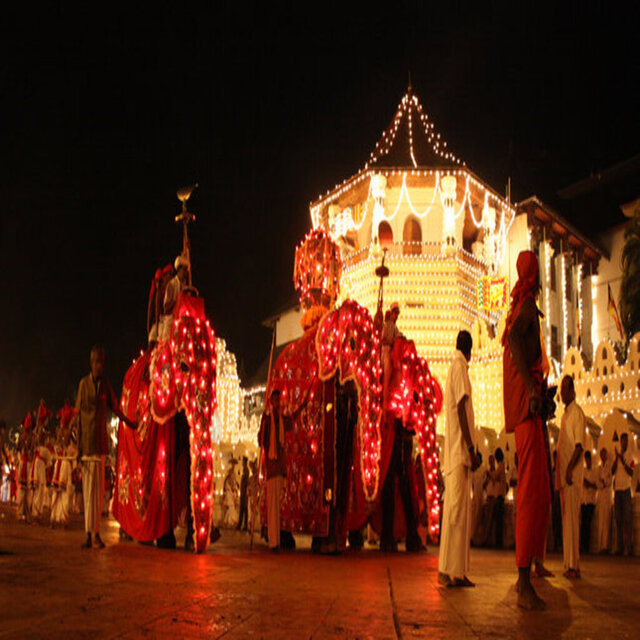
61, 502
274, 488
23, 504
455, 537
571, 497
40, 497
93, 494
604, 502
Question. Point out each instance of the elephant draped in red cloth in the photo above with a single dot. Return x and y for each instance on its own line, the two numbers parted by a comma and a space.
178, 375
344, 347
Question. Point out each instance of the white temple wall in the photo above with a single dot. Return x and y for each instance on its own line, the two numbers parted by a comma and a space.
517, 241
288, 326
421, 199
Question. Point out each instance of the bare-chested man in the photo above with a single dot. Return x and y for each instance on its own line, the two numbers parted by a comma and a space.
524, 364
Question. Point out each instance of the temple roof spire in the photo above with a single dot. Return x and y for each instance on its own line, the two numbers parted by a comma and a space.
411, 140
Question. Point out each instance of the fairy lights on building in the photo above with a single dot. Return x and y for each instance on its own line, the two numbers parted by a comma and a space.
229, 394
448, 236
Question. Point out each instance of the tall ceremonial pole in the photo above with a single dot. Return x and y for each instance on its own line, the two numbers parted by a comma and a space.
382, 272
256, 500
186, 217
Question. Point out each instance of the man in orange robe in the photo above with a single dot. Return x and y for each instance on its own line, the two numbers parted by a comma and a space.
525, 369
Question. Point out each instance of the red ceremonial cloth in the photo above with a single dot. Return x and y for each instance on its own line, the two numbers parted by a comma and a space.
534, 492
149, 494
515, 394
527, 284
342, 345
514, 391
295, 373
308, 388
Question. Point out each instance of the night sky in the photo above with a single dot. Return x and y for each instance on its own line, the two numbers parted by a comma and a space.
104, 113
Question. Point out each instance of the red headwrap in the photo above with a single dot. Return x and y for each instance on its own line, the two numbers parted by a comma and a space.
527, 266
28, 422
43, 412
66, 414
157, 279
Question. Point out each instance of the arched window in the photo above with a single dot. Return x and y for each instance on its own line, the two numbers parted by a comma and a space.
385, 234
411, 237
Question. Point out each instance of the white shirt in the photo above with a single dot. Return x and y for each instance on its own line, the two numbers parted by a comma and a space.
621, 479
572, 432
45, 454
458, 385
500, 482
497, 482
588, 493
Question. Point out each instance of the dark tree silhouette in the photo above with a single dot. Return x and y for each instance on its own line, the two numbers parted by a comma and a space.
630, 289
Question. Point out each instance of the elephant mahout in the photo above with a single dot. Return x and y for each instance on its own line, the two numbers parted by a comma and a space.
166, 466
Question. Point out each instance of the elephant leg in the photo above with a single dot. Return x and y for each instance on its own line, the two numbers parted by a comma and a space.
182, 449
387, 540
413, 542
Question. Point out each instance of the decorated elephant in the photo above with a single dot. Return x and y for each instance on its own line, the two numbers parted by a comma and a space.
331, 387
171, 393
343, 347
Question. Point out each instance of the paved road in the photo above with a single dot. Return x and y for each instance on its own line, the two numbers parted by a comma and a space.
50, 588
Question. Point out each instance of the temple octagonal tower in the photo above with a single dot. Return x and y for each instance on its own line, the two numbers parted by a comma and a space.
443, 233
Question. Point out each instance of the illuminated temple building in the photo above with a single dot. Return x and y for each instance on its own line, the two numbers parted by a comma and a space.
451, 242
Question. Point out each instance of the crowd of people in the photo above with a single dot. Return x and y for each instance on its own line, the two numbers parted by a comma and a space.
572, 484
42, 474
57, 469
239, 496
494, 488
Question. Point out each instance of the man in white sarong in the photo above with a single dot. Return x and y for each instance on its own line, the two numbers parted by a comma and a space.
22, 475
94, 396
460, 460
272, 440
62, 482
569, 476
42, 461
604, 502
622, 470
230, 495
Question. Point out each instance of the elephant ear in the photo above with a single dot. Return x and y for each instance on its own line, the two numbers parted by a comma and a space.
328, 344
348, 344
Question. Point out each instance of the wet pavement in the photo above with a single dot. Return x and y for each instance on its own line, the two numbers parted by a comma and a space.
50, 588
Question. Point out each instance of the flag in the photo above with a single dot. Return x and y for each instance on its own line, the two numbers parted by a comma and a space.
578, 326
613, 312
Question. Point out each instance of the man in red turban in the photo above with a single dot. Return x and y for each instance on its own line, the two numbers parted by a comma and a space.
525, 368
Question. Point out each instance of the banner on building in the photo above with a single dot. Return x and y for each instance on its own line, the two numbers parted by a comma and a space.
493, 293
